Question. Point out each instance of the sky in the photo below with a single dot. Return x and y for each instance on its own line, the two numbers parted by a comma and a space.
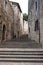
23, 5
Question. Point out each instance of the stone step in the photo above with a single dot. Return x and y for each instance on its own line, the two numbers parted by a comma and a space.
20, 63
23, 37
21, 55
20, 60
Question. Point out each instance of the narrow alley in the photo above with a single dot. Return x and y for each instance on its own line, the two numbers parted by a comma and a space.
16, 27
21, 32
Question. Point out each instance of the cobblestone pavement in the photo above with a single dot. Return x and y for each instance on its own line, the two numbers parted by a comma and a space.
22, 42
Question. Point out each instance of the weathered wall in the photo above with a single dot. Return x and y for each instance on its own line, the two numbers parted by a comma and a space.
21, 21
34, 35
6, 19
41, 22
18, 19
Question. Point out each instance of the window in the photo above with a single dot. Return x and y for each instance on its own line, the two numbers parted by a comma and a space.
36, 5
29, 29
5, 3
0, 16
36, 25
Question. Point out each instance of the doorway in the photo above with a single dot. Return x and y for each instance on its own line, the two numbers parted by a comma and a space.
4, 32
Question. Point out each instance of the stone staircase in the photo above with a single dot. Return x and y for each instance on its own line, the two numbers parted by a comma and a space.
23, 38
21, 55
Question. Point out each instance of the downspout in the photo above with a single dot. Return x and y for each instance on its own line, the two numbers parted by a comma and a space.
39, 18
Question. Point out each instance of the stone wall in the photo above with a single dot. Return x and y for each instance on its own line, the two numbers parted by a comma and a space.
41, 22
10, 20
18, 19
6, 15
34, 35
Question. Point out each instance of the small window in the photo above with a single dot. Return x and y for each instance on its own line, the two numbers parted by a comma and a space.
36, 25
29, 29
0, 16
36, 5
5, 3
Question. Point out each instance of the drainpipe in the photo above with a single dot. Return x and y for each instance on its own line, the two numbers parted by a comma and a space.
39, 17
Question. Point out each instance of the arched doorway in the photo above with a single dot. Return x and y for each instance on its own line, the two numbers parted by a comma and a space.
4, 34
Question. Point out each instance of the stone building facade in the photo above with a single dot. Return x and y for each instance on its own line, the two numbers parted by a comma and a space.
6, 20
18, 19
35, 20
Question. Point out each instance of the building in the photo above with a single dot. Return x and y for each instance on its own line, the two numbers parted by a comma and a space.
35, 20
21, 24
6, 20
18, 19
25, 29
